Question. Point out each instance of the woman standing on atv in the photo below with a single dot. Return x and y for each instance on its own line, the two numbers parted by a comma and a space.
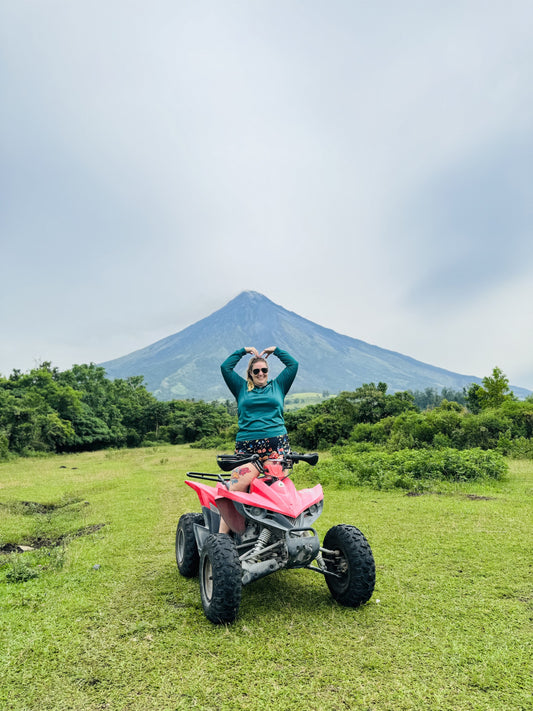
260, 410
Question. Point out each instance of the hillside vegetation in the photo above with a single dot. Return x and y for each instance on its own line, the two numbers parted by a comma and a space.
80, 409
46, 411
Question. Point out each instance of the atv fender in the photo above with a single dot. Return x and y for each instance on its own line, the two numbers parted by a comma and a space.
231, 516
200, 534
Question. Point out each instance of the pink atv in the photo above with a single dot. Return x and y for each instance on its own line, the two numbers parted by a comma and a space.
271, 529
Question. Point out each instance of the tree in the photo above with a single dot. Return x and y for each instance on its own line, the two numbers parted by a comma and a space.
496, 389
332, 421
430, 397
494, 392
474, 398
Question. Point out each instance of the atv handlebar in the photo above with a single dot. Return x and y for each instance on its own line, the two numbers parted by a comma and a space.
311, 458
227, 462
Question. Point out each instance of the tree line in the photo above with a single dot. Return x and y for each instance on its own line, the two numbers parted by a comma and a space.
47, 410
488, 416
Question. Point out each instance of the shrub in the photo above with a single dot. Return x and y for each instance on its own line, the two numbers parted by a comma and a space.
409, 469
484, 430
21, 567
377, 433
519, 448
4, 446
218, 442
20, 571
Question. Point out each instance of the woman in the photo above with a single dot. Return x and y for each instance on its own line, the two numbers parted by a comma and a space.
260, 410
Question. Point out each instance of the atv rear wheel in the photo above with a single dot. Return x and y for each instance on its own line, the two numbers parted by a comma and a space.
353, 562
187, 556
220, 578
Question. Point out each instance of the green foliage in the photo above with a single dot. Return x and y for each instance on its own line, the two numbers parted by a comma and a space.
328, 423
496, 388
495, 392
450, 425
192, 421
408, 469
4, 445
36, 411
430, 397
519, 448
20, 568
46, 411
369, 415
218, 442
520, 416
80, 409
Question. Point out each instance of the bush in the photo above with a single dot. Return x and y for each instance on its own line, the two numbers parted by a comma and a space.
519, 448
450, 425
409, 469
20, 572
4, 446
21, 567
376, 434
218, 442
485, 429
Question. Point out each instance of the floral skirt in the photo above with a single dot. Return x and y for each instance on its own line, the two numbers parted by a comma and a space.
270, 447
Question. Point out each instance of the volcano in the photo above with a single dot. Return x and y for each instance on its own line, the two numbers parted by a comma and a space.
186, 365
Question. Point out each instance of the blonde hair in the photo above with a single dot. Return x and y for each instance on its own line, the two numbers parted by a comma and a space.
253, 361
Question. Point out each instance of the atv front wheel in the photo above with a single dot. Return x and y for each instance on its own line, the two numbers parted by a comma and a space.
187, 556
352, 561
220, 578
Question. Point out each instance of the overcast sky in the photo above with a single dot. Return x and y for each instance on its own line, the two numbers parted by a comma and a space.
367, 165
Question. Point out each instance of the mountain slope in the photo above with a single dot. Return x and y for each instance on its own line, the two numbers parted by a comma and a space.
187, 364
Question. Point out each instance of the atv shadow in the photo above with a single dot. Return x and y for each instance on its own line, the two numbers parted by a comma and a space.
285, 592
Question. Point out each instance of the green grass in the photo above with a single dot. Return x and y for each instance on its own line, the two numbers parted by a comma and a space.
295, 401
448, 627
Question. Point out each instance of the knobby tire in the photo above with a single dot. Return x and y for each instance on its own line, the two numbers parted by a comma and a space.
187, 557
220, 578
355, 566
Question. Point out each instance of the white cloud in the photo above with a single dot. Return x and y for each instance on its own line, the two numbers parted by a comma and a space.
158, 159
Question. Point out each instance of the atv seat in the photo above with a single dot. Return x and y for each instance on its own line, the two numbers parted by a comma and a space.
228, 462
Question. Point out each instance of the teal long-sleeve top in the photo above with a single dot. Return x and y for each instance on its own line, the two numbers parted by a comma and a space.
260, 410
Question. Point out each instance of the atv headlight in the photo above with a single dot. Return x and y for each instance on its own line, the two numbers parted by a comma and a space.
256, 511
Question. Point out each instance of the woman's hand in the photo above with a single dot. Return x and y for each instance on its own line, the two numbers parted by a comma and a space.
268, 351
252, 350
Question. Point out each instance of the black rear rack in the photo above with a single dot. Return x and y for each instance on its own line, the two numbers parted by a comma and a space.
205, 475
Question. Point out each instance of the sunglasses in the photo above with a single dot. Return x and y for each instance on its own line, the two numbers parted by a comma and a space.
256, 371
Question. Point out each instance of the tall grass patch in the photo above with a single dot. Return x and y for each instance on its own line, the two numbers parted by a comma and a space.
407, 469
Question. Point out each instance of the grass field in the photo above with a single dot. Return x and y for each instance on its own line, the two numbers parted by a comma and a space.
106, 622
294, 401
